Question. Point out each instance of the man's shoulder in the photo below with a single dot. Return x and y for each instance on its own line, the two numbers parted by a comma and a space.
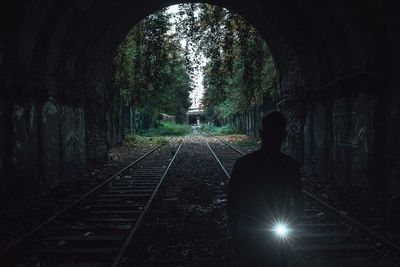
249, 158
257, 156
289, 160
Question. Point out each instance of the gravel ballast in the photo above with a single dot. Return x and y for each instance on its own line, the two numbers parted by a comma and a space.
187, 222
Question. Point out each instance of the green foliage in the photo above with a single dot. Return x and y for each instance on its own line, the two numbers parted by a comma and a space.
168, 129
223, 130
150, 69
240, 70
155, 73
157, 136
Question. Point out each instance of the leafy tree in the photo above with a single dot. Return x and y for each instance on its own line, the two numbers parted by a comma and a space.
151, 71
155, 71
239, 70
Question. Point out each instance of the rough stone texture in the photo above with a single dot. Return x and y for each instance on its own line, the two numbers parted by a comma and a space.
24, 165
63, 50
392, 166
47, 145
73, 141
321, 117
317, 132
308, 138
343, 133
51, 138
353, 134
293, 109
2, 144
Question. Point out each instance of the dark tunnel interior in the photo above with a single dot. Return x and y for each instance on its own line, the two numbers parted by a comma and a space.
337, 62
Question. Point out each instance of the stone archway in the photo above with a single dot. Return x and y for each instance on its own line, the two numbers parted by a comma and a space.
55, 56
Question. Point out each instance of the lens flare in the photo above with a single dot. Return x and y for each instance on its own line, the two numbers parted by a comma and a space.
281, 230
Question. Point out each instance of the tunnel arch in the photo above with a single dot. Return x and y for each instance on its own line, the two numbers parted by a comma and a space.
55, 67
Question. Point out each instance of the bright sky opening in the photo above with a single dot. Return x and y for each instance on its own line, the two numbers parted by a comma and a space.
198, 91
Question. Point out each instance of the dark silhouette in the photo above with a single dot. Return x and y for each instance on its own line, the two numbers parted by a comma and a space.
264, 189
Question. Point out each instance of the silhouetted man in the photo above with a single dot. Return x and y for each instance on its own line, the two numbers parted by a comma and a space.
264, 190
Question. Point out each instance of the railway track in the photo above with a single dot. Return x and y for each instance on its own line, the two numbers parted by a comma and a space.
325, 236
96, 229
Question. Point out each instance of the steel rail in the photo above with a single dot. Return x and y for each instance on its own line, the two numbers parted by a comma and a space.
215, 156
371, 232
129, 237
226, 143
347, 218
59, 213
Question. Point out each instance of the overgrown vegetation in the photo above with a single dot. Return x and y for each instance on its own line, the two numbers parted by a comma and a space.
151, 71
223, 130
168, 129
158, 136
157, 64
239, 71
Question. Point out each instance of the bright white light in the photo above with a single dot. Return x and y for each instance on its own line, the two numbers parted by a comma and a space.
281, 230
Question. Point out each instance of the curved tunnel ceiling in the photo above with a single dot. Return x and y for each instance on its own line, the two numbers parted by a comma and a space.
56, 59
311, 43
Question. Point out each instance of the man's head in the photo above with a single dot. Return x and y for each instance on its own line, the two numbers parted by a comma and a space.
273, 130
